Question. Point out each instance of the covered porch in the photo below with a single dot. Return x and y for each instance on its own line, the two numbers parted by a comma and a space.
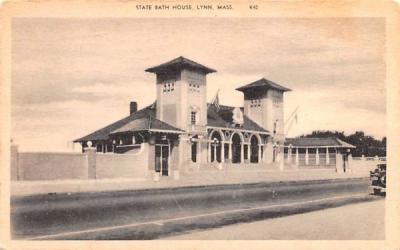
315, 152
230, 146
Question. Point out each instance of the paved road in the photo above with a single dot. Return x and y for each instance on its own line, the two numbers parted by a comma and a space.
362, 221
151, 214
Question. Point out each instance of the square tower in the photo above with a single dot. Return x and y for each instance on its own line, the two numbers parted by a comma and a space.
263, 103
181, 93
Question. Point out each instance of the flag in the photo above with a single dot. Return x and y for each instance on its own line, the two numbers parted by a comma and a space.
216, 101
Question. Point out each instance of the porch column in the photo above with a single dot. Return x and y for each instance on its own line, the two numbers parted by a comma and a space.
209, 152
327, 156
222, 152
182, 141
317, 157
306, 156
242, 153
199, 152
249, 152
297, 156
230, 152
215, 152
289, 155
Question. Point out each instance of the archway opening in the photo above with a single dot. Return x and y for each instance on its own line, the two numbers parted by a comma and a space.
236, 148
216, 146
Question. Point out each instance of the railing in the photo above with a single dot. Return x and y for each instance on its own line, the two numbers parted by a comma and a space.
376, 158
126, 148
197, 128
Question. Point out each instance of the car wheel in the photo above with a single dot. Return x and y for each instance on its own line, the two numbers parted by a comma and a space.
383, 180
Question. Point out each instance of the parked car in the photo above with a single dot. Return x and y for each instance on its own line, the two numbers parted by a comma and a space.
378, 179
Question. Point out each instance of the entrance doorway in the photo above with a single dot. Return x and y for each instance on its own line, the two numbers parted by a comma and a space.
254, 149
162, 159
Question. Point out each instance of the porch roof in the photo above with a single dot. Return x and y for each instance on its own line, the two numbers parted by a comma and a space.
147, 124
317, 142
103, 133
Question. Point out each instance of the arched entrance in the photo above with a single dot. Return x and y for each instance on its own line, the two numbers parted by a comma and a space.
236, 148
216, 146
254, 145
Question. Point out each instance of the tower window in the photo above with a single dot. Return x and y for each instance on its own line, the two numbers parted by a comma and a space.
194, 87
193, 117
168, 87
255, 103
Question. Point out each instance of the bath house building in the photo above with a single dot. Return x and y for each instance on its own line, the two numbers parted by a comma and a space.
181, 131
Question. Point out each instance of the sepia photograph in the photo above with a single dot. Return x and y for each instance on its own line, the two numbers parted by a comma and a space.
197, 128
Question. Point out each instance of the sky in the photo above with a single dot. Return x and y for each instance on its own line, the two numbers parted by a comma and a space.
73, 76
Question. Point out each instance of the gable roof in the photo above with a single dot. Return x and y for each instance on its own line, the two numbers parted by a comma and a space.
317, 142
223, 118
264, 84
179, 63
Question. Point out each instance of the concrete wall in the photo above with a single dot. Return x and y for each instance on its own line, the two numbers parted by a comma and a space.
132, 165
42, 166
52, 166
364, 164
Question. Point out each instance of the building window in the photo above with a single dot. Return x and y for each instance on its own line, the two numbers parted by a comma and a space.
193, 117
168, 87
99, 148
194, 87
255, 103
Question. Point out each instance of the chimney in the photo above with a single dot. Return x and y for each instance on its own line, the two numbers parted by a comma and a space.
132, 107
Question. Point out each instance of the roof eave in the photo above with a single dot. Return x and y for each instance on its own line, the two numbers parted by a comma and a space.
161, 69
181, 62
244, 88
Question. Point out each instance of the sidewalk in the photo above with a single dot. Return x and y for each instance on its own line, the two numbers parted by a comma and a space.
203, 178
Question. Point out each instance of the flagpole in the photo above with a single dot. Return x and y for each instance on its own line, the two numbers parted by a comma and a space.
291, 119
293, 113
215, 100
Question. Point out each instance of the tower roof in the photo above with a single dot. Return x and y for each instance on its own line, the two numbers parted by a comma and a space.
263, 84
180, 63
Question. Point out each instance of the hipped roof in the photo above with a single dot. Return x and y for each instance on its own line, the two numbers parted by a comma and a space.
263, 84
147, 124
180, 63
144, 120
141, 120
317, 142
